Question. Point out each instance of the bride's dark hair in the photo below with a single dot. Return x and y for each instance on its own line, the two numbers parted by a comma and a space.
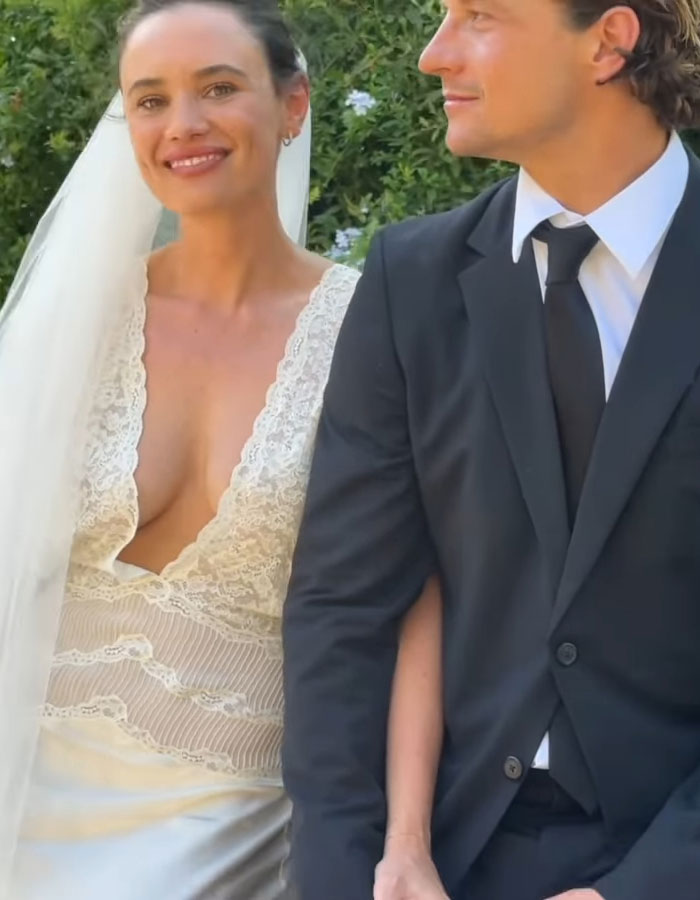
263, 17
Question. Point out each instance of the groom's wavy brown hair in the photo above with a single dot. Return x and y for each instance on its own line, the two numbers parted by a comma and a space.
663, 70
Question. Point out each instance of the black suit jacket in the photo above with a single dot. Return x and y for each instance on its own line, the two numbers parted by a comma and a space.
437, 449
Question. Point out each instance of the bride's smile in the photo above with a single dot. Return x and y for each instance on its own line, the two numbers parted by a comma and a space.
197, 161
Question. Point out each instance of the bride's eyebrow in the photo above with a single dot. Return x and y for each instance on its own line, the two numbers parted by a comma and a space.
206, 72
221, 69
145, 83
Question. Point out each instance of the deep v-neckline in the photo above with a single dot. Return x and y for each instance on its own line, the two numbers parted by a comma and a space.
250, 445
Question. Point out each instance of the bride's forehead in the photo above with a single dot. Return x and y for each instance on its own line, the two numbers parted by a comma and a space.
191, 37
193, 29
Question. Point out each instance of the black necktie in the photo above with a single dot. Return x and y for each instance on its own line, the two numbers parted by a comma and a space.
574, 355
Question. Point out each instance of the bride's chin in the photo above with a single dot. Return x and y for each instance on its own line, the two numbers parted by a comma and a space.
204, 204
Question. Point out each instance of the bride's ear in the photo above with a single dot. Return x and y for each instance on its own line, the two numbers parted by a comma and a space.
296, 102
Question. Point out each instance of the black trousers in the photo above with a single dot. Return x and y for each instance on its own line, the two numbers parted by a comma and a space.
545, 845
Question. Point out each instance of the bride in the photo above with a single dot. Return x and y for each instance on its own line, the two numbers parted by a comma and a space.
158, 415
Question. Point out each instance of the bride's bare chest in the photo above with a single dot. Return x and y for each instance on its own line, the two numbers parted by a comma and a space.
206, 383
199, 435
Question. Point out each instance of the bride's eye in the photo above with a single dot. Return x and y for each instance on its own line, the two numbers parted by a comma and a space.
150, 103
222, 89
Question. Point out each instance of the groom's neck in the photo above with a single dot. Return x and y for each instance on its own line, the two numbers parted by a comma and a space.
597, 159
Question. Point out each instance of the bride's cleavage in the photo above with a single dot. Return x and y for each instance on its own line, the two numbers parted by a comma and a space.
160, 541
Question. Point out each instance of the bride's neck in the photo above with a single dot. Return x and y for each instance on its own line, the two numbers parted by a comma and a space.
222, 259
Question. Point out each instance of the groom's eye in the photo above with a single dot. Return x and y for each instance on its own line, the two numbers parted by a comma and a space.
477, 13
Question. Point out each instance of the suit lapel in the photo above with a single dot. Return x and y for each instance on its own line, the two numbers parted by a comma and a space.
504, 306
660, 362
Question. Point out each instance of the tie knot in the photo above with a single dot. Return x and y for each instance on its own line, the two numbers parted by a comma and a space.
568, 247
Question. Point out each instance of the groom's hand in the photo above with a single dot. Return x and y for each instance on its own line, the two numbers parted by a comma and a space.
583, 894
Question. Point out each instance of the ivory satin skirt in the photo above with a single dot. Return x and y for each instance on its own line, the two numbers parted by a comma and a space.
109, 819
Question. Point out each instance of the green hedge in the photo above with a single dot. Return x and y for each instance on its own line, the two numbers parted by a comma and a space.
379, 152
54, 78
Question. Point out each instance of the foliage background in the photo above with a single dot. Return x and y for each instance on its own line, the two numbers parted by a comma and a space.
58, 70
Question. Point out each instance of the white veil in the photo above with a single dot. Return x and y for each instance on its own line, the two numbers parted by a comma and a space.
62, 306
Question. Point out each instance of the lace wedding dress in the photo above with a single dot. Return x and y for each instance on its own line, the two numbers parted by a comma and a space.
158, 770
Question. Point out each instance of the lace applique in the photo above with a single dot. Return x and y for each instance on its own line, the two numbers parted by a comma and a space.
190, 661
137, 648
113, 708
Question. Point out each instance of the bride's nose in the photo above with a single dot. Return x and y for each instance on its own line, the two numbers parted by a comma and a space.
185, 119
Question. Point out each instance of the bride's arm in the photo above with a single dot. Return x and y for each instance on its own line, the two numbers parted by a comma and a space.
413, 752
415, 719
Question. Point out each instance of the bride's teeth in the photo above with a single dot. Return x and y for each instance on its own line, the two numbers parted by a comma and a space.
194, 160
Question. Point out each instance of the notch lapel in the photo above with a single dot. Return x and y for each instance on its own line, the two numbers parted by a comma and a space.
504, 306
660, 361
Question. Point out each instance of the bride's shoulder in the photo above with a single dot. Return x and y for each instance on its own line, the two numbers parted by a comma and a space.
337, 285
159, 264
343, 275
332, 280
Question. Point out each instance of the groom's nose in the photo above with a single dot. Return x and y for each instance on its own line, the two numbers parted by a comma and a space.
185, 119
441, 54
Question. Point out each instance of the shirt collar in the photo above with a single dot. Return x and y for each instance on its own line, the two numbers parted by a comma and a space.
631, 224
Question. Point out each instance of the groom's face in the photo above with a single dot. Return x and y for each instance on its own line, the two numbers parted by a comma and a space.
516, 74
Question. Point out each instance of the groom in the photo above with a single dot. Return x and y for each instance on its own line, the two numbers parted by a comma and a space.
515, 404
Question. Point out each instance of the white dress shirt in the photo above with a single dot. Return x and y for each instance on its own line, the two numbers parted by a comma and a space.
631, 228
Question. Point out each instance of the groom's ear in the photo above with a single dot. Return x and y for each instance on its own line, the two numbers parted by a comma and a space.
296, 99
615, 36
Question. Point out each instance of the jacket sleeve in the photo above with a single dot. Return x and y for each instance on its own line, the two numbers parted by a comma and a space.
665, 861
362, 558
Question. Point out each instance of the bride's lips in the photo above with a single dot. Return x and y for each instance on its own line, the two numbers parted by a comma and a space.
197, 161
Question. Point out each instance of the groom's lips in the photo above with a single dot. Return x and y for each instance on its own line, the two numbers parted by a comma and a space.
455, 101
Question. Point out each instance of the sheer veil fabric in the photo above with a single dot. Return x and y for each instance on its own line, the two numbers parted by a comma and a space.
54, 331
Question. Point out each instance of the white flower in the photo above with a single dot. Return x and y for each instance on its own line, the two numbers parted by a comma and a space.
344, 241
7, 161
361, 102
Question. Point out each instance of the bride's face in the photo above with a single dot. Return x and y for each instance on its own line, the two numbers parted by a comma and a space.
205, 117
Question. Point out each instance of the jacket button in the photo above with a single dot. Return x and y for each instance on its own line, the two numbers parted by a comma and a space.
567, 654
513, 768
